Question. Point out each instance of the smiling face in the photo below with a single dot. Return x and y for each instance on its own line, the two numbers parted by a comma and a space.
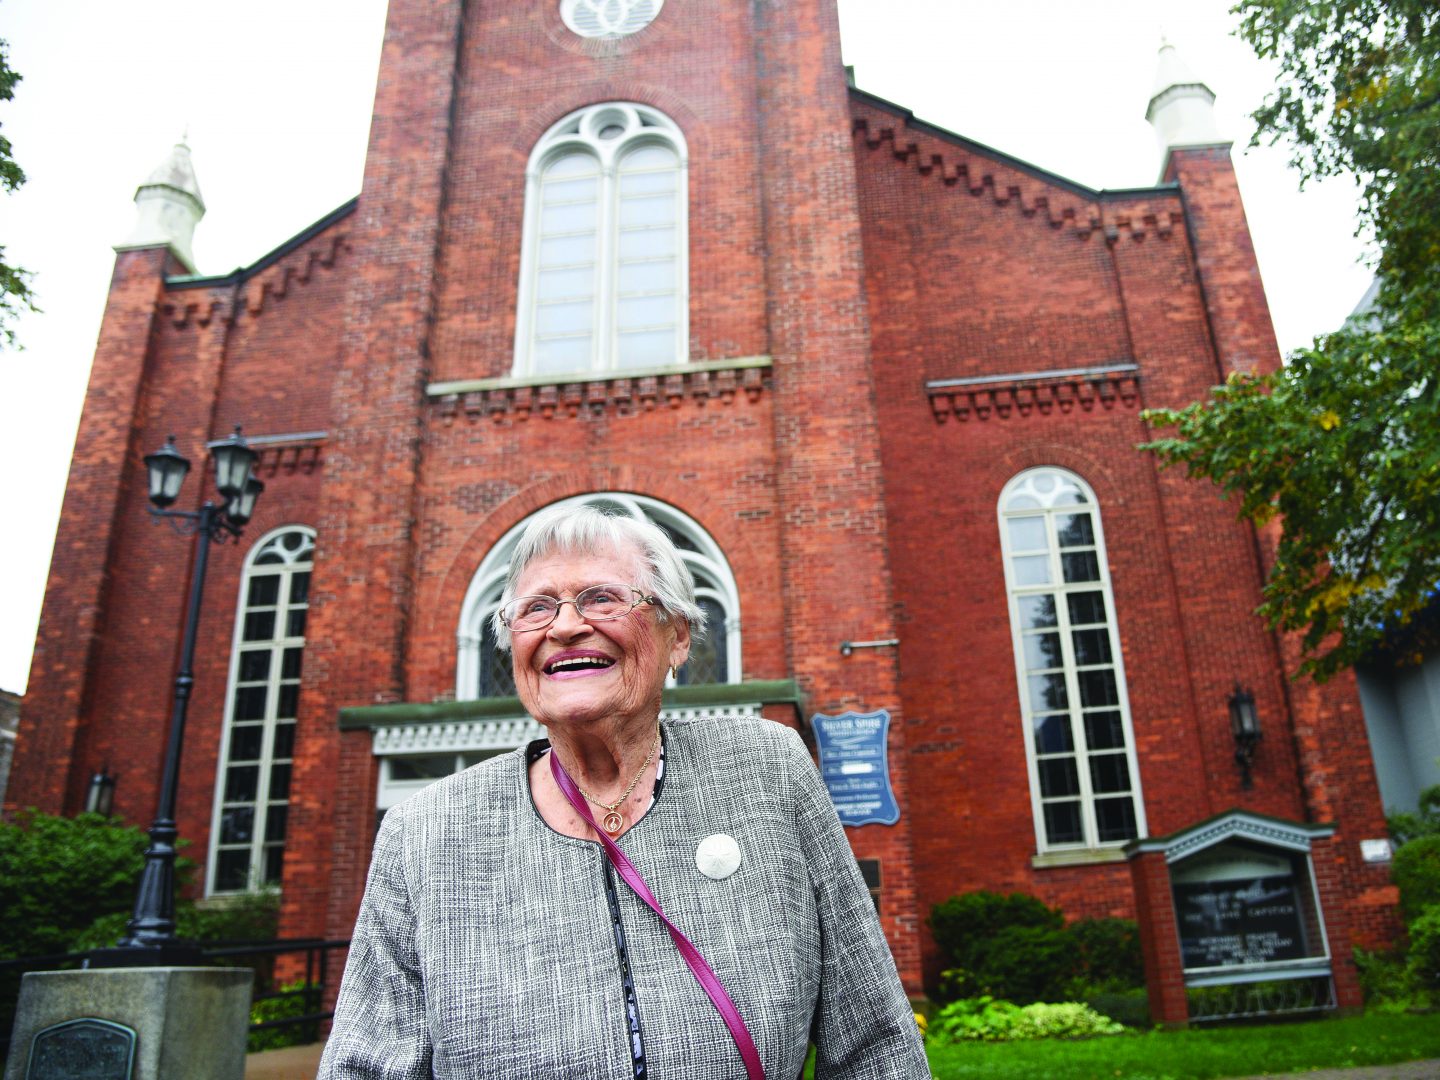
576, 672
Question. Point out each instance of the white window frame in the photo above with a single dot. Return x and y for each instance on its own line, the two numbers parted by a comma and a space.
579, 132
1057, 587
708, 564
295, 562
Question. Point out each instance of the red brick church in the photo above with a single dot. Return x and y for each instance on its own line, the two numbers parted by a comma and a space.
881, 383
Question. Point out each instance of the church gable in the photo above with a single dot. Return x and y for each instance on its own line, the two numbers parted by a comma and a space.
1008, 268
276, 323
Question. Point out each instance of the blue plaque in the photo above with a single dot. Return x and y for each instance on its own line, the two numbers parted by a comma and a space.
855, 765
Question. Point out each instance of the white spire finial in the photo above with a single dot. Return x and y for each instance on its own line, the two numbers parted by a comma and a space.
1181, 106
168, 207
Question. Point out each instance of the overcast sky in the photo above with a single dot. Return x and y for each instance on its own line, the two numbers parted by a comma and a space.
276, 98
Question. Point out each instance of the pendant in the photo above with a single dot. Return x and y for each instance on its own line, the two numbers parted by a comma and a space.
613, 822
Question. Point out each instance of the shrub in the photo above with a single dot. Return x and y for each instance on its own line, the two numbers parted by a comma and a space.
58, 875
1130, 1007
1385, 981
1416, 870
964, 924
1423, 961
245, 917
1025, 964
1425, 821
986, 1019
295, 1003
1017, 948
967, 928
1109, 952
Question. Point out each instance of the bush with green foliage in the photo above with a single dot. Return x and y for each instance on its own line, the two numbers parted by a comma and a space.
1423, 959
1026, 964
1007, 945
295, 1002
1405, 826
68, 885
963, 924
990, 1020
1416, 869
1130, 1006
241, 918
58, 875
1017, 948
1109, 952
1385, 981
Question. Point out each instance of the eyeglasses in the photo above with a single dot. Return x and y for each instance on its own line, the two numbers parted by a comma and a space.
598, 603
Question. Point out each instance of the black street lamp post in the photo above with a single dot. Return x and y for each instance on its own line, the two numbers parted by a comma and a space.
150, 936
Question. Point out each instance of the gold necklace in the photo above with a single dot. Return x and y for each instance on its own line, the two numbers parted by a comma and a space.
614, 821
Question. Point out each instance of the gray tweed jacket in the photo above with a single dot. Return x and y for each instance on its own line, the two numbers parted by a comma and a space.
484, 945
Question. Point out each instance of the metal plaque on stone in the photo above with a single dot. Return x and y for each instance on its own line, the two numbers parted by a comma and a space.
84, 1049
855, 765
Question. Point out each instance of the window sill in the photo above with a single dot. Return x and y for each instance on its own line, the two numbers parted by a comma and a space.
570, 378
1087, 857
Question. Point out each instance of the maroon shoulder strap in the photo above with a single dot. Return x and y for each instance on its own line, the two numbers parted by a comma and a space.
706, 977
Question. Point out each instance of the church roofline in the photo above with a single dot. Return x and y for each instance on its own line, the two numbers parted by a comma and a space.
241, 274
1036, 171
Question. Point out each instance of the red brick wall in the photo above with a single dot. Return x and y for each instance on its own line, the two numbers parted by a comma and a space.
979, 267
521, 71
73, 627
198, 354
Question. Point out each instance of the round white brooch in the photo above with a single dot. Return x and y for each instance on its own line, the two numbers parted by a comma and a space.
718, 856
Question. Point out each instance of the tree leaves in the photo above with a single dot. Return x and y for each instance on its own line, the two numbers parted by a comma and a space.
16, 294
1343, 443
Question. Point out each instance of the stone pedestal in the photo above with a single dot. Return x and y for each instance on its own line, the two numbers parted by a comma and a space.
189, 1022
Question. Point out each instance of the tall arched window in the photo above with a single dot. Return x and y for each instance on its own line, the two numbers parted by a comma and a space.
483, 672
603, 267
1079, 742
253, 789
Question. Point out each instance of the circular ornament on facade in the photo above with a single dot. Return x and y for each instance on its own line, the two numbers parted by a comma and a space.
608, 18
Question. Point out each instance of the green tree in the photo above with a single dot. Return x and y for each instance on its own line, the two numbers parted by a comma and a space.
15, 292
1343, 443
58, 875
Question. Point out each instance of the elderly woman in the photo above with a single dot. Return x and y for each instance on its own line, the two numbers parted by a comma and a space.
632, 897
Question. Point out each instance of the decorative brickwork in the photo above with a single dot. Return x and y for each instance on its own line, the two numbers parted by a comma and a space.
1043, 392
619, 396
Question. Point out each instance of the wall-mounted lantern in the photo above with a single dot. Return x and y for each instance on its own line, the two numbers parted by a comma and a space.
100, 794
1245, 727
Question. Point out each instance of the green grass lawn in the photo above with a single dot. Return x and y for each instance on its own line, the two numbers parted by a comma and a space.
1376, 1039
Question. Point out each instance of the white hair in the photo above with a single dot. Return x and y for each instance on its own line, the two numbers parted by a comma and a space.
588, 530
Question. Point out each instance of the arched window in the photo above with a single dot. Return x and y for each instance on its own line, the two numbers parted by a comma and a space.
1079, 742
603, 267
482, 671
253, 786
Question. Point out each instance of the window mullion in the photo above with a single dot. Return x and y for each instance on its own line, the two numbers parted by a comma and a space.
268, 724
606, 353
1072, 685
1067, 661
